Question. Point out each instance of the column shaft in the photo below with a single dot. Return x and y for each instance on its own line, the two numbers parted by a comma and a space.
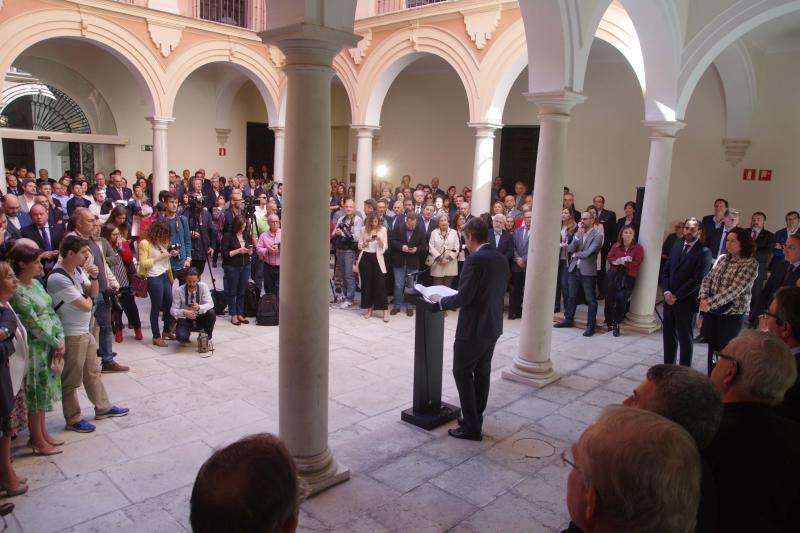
532, 365
651, 230
277, 162
3, 183
482, 167
364, 164
160, 153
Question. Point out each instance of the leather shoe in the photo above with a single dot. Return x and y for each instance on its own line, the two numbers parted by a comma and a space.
563, 324
394, 311
410, 312
459, 433
114, 367
512, 316
588, 332
700, 338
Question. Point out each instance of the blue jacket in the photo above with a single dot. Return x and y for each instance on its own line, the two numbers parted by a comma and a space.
180, 235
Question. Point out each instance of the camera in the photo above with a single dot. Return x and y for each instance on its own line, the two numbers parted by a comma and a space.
196, 202
249, 208
174, 247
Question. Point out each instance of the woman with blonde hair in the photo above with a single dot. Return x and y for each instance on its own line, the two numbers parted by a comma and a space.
373, 243
568, 229
443, 250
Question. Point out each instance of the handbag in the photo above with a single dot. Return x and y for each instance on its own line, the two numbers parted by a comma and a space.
139, 286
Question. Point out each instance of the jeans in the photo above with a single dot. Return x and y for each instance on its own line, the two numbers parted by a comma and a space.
160, 291
235, 281
346, 258
102, 314
272, 276
204, 322
577, 281
400, 282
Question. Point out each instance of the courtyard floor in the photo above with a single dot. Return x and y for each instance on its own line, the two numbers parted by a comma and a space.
134, 474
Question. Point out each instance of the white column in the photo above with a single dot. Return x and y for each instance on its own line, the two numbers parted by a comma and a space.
277, 162
3, 184
364, 163
482, 168
651, 229
160, 153
304, 329
532, 365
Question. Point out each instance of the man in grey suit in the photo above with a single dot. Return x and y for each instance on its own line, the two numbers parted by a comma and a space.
582, 272
519, 265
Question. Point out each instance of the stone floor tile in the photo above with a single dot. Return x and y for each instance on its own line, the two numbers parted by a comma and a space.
363, 524
426, 509
218, 417
164, 381
161, 472
68, 502
560, 427
621, 385
341, 416
501, 424
508, 513
565, 364
577, 382
378, 397
40, 471
118, 522
455, 451
581, 412
478, 481
532, 407
84, 456
557, 392
157, 435
409, 471
175, 503
603, 397
374, 448
636, 372
343, 503
600, 371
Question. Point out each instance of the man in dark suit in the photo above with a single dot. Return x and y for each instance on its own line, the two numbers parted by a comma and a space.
48, 236
765, 240
500, 239
782, 319
569, 203
713, 222
607, 219
784, 273
782, 235
406, 243
718, 241
688, 263
15, 218
435, 190
118, 192
753, 456
481, 288
519, 266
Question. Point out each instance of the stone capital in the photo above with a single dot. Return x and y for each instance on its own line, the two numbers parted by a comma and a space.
279, 131
664, 128
735, 150
222, 135
309, 45
160, 123
555, 103
363, 130
484, 129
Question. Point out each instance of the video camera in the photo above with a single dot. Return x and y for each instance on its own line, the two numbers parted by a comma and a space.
196, 202
249, 209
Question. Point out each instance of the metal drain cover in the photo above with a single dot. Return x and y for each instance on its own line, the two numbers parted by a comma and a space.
533, 448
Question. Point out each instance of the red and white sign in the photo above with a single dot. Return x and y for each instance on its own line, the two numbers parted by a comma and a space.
223, 152
749, 174
765, 174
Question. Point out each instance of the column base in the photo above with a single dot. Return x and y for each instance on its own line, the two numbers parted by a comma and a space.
529, 373
636, 323
321, 472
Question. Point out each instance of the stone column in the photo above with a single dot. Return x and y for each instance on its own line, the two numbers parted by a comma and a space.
364, 163
304, 329
651, 229
277, 162
160, 153
482, 168
532, 365
3, 183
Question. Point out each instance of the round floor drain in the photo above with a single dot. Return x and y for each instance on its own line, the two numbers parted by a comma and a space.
533, 448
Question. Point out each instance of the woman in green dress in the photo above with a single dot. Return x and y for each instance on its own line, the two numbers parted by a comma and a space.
45, 343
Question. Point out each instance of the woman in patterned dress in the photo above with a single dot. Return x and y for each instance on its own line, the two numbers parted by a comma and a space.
45, 343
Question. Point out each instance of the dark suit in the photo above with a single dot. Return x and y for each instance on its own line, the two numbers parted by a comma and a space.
709, 226
607, 219
481, 289
780, 275
56, 232
114, 195
714, 242
682, 276
756, 467
405, 262
519, 250
764, 246
24, 220
505, 246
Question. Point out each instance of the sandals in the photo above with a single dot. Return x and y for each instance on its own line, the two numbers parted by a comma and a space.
236, 323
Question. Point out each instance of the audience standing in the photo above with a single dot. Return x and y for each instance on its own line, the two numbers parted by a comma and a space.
582, 272
237, 247
625, 258
155, 253
373, 242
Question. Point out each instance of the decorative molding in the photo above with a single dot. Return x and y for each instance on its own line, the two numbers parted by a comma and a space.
1, 3
413, 34
222, 135
360, 50
276, 56
165, 37
481, 25
735, 150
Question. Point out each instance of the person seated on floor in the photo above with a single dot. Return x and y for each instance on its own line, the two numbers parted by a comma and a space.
633, 471
690, 399
782, 319
247, 487
192, 307
754, 456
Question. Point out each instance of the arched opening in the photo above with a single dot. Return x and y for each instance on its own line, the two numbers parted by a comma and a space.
343, 138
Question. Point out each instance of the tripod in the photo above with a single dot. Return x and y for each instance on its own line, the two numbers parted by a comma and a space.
195, 224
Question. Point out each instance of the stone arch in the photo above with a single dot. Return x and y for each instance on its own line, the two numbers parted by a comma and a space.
30, 29
246, 60
398, 51
736, 71
724, 30
347, 75
226, 96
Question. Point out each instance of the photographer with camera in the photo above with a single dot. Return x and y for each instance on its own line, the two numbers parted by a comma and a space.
193, 307
179, 238
201, 231
347, 231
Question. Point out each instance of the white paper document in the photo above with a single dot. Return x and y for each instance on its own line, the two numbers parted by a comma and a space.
441, 290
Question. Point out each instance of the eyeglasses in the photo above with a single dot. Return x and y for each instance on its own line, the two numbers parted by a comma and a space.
715, 358
767, 314
568, 462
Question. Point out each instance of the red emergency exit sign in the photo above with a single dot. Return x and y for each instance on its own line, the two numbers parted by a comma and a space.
765, 174
761, 174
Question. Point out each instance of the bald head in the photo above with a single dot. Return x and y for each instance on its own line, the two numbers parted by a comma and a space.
38, 215
11, 205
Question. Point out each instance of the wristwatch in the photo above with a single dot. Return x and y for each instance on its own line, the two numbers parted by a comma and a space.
93, 279
5, 330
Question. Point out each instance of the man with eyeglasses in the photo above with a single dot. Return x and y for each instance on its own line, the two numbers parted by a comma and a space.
782, 235
268, 249
782, 319
633, 470
754, 456
784, 272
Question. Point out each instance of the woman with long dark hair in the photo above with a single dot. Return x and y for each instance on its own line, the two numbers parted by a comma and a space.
624, 259
373, 243
627, 220
121, 264
237, 247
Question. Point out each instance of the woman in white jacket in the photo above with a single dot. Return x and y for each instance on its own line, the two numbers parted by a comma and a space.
443, 253
373, 243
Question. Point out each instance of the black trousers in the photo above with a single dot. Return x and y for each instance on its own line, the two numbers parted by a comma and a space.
472, 368
517, 292
128, 303
204, 322
272, 276
719, 330
678, 330
619, 287
373, 283
561, 285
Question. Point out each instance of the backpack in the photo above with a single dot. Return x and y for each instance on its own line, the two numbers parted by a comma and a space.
251, 296
267, 310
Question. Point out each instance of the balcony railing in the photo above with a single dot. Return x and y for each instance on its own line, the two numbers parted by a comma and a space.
391, 6
250, 14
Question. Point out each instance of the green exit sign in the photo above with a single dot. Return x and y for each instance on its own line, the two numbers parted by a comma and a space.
147, 148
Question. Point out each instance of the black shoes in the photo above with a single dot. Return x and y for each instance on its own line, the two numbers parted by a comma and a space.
563, 324
513, 316
394, 311
588, 332
615, 330
459, 433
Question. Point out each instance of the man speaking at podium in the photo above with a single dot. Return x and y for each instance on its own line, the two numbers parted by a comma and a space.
481, 289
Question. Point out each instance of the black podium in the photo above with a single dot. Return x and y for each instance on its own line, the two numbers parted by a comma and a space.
428, 410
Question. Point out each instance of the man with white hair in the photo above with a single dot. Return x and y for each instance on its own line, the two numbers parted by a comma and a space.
754, 456
633, 470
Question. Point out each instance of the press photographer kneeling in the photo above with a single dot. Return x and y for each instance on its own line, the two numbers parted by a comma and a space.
193, 308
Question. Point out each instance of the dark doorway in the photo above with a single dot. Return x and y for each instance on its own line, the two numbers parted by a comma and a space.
260, 146
518, 147
19, 152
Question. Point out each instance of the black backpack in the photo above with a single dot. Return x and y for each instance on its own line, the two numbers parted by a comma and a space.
251, 296
267, 310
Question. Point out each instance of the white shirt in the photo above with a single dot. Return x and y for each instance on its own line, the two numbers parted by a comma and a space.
66, 289
202, 296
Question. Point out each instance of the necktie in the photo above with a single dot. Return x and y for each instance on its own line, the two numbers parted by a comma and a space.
723, 247
754, 234
789, 272
47, 246
685, 250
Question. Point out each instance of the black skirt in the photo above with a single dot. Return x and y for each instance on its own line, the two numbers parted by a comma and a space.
373, 283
